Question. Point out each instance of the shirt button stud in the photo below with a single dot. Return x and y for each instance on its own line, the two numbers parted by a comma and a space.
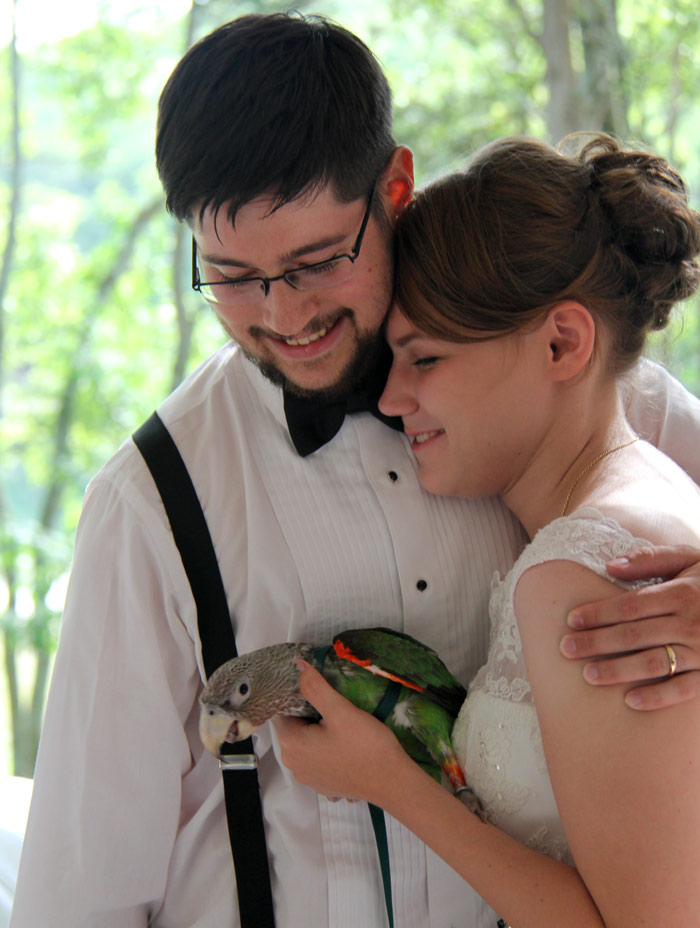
422, 585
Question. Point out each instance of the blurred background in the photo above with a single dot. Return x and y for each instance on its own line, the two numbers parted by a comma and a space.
97, 321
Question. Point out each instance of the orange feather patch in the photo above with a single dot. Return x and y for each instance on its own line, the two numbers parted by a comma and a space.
454, 772
346, 654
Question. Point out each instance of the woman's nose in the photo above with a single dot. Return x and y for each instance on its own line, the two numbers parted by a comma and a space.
397, 398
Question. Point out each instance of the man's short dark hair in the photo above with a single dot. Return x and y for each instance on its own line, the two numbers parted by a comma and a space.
277, 104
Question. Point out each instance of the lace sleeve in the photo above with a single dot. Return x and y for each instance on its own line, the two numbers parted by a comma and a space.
586, 537
496, 736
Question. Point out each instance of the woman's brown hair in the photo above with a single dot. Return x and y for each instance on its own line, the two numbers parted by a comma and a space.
489, 249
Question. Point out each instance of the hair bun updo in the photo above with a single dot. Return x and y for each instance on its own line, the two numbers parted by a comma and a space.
647, 224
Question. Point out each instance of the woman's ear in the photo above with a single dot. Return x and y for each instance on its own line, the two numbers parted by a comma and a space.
396, 182
570, 330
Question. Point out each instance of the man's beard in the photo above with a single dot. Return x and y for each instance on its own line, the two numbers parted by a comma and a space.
368, 349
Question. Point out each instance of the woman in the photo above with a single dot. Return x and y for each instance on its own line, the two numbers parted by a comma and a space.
526, 286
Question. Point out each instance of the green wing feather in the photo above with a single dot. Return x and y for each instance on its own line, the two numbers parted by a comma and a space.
404, 657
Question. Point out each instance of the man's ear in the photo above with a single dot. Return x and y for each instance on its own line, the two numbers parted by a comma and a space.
396, 183
570, 331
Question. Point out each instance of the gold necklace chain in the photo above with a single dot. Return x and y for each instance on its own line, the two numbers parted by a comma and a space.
593, 464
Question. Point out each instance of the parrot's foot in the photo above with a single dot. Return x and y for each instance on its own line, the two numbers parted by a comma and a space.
471, 801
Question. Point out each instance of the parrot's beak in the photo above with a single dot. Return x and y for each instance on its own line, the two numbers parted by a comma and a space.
213, 729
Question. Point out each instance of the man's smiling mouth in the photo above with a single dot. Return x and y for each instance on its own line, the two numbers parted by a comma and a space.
306, 340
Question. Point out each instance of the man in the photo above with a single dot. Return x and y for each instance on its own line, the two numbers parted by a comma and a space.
274, 144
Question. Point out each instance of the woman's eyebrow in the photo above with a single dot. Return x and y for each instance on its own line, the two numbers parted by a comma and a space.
404, 340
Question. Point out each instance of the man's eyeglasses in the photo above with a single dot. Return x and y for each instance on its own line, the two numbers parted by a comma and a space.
316, 276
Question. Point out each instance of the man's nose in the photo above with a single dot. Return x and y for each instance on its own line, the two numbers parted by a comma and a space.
397, 398
287, 311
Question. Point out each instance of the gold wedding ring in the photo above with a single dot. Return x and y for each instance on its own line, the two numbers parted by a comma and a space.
672, 660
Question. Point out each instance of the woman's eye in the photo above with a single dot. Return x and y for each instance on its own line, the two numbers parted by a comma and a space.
428, 361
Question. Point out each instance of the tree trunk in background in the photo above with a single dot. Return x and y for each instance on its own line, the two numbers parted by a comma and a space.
7, 546
604, 55
563, 113
595, 99
674, 110
15, 191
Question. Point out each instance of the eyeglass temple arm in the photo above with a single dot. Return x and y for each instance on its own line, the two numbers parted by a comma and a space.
195, 270
361, 234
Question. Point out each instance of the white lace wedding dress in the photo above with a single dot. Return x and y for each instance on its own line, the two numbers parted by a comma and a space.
497, 736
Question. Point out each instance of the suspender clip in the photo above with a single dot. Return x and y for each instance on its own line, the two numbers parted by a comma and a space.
238, 762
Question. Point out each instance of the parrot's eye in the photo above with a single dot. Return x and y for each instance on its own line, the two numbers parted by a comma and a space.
240, 693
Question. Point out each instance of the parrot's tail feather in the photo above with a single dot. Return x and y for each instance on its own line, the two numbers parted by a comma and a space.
454, 774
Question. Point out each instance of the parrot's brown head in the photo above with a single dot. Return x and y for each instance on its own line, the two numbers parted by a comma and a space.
248, 690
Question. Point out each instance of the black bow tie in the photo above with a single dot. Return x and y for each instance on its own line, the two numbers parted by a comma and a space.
313, 422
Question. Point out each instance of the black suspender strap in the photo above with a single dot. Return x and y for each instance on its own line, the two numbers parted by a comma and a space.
238, 762
379, 825
382, 712
193, 541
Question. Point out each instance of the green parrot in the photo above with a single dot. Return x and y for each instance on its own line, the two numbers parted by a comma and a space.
368, 665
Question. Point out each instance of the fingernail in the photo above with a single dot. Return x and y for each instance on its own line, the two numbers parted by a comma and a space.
568, 644
633, 699
619, 562
574, 620
591, 672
